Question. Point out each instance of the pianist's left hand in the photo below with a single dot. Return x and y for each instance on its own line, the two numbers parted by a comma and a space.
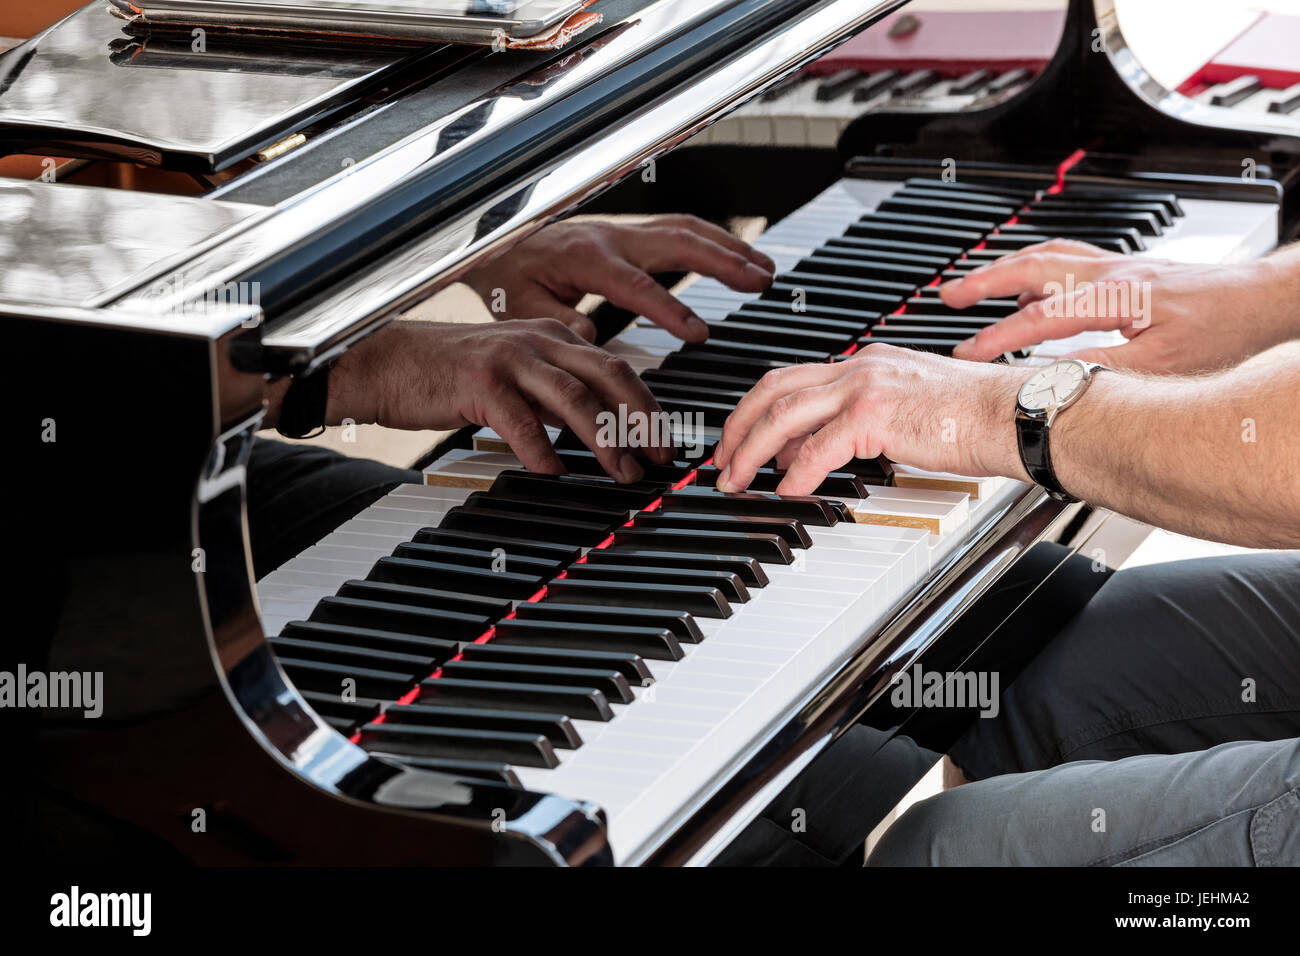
917, 408
549, 273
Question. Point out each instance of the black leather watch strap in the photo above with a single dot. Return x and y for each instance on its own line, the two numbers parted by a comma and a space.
302, 413
1036, 455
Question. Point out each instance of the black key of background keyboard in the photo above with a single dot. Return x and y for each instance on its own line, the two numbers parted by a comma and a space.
953, 239
868, 250
372, 638
747, 569
653, 376
536, 505
860, 302
946, 331
1013, 195
504, 584
822, 280
609, 682
329, 678
720, 396
892, 247
995, 204
681, 626
412, 665
702, 600
875, 84
791, 531
765, 547
562, 553
837, 85
967, 229
783, 318
872, 471
1053, 220
557, 728
970, 82
652, 643
713, 414
730, 585
914, 82
579, 702
1012, 243
586, 463
902, 341
866, 269
631, 666
809, 510
947, 210
1169, 200
463, 769
739, 330
1060, 202
757, 307
1235, 90
1286, 102
400, 618
719, 341
722, 363
490, 608
1131, 237
521, 750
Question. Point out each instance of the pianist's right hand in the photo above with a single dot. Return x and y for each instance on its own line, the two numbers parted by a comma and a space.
1179, 318
514, 377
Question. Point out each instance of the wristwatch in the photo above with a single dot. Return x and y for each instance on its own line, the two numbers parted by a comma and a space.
1043, 396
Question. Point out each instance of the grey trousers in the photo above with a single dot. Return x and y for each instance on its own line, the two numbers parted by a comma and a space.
1160, 728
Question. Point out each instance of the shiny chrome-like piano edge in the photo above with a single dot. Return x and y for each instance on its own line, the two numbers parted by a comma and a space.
376, 294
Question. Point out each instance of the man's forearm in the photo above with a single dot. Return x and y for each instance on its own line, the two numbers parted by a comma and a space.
1216, 457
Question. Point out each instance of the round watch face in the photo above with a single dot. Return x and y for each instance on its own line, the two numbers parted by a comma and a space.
1051, 386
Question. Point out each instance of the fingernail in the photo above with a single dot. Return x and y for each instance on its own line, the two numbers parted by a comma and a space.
723, 482
697, 328
629, 469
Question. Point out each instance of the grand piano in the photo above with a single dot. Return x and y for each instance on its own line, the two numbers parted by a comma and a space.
181, 228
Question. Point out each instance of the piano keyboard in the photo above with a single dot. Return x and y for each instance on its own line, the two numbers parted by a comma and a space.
812, 110
1248, 94
630, 645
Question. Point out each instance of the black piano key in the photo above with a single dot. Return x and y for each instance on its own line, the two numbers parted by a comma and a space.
586, 463
539, 506
969, 229
785, 87
372, 638
748, 570
891, 246
954, 239
700, 392
1014, 195
431, 574
722, 363
490, 608
824, 265
464, 769
853, 283
566, 631
874, 85
956, 212
954, 324
791, 531
562, 553
1093, 234
700, 600
782, 318
970, 82
1055, 219
837, 85
1012, 243
1007, 80
557, 728
631, 666
818, 512
935, 307
354, 711
609, 682
473, 558
719, 343
765, 547
814, 296
907, 330
737, 330
1236, 90
1084, 192
965, 198
489, 520
580, 702
681, 626
1287, 101
1162, 215
654, 376
713, 414
412, 665
401, 618
914, 82
728, 584
519, 749
329, 678
870, 250
837, 483
756, 308
872, 471
581, 490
